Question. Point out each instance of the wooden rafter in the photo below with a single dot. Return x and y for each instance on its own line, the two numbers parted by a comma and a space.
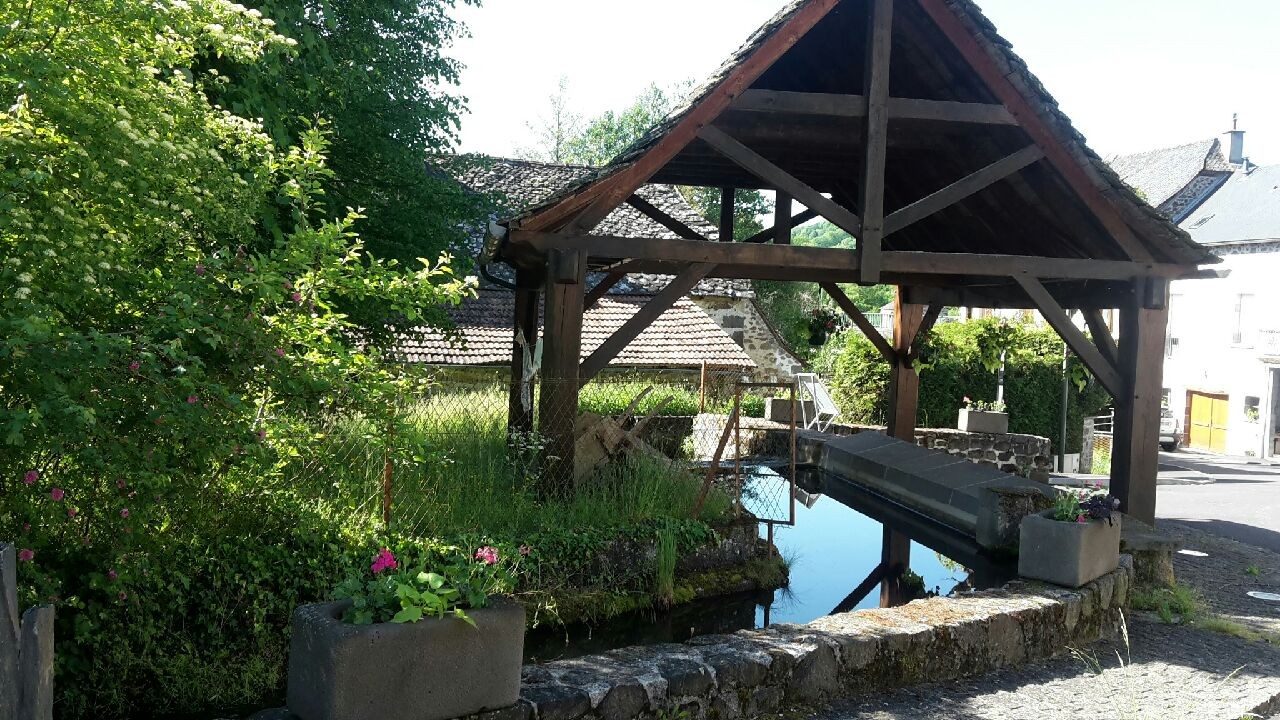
771, 233
766, 256
602, 288
961, 189
782, 219
930, 319
1101, 335
860, 320
1057, 318
727, 203
855, 106
979, 58
643, 318
656, 214
876, 137
749, 160
596, 204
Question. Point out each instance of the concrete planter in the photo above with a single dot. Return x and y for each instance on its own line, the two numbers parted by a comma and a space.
981, 421
1067, 553
431, 670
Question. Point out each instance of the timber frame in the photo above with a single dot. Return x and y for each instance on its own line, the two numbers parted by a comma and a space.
910, 125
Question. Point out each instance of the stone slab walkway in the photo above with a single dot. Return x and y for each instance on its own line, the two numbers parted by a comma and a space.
1165, 672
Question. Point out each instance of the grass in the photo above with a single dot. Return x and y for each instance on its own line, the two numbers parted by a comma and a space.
454, 473
1186, 606
612, 398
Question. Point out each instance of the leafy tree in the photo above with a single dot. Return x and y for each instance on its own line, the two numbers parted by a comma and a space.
554, 132
168, 296
606, 136
377, 70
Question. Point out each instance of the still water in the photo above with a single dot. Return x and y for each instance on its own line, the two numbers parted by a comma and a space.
834, 545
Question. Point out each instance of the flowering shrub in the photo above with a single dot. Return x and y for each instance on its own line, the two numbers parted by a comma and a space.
996, 406
449, 583
1083, 505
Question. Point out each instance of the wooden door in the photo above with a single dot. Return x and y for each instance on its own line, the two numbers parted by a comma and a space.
1209, 422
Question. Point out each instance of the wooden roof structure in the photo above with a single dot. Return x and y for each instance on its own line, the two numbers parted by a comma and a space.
913, 126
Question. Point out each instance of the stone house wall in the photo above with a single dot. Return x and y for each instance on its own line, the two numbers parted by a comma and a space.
746, 324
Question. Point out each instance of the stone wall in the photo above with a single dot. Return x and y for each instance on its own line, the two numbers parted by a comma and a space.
742, 319
754, 672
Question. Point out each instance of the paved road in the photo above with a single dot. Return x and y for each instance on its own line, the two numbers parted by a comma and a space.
1242, 502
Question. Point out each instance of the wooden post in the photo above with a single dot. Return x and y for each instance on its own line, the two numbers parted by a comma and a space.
26, 650
561, 354
1135, 456
782, 219
525, 323
8, 631
726, 214
904, 398
879, 47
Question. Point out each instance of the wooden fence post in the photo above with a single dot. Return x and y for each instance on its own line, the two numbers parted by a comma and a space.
26, 650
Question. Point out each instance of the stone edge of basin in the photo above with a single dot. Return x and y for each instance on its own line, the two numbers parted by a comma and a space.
754, 672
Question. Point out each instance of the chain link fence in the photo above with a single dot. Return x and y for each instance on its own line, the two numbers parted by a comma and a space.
1098, 441
443, 460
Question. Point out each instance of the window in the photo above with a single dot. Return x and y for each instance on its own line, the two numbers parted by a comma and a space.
1242, 334
1171, 329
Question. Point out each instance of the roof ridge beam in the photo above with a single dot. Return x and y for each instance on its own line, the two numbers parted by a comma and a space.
855, 106
961, 189
759, 166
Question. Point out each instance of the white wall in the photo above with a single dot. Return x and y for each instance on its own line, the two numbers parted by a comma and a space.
1202, 319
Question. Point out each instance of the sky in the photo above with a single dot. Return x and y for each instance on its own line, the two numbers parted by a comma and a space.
1133, 75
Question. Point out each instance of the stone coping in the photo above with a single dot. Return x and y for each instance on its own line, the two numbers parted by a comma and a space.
754, 672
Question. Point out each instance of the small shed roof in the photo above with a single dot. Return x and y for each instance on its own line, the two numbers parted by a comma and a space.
682, 337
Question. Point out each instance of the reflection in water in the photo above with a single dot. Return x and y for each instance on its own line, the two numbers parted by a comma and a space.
833, 548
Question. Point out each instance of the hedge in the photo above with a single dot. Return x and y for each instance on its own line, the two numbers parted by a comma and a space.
958, 361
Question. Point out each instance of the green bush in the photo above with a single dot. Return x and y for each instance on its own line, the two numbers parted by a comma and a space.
958, 362
612, 398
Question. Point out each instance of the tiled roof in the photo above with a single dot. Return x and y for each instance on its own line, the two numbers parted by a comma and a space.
682, 337
1162, 174
1245, 209
520, 184
1154, 229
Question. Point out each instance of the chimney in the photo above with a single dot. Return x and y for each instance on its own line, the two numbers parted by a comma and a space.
1236, 145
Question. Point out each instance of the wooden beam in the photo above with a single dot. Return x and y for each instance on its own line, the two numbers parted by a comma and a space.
644, 317
855, 106
1136, 452
961, 189
749, 160
976, 53
726, 214
600, 199
860, 593
656, 214
876, 137
922, 332
524, 325
610, 247
771, 233
601, 289
1101, 335
1075, 339
860, 320
561, 351
782, 219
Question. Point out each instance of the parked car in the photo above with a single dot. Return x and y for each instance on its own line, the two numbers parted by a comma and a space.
1170, 431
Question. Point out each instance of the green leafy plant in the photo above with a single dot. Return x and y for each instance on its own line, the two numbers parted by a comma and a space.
389, 593
1083, 505
665, 581
995, 406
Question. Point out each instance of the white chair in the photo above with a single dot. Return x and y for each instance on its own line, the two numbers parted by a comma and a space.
809, 388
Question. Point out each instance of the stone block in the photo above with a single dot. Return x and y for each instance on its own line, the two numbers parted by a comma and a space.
444, 667
557, 702
1066, 553
1001, 509
977, 421
623, 701
815, 676
765, 700
738, 666
685, 677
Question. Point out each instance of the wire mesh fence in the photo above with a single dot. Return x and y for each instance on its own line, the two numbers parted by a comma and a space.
1099, 440
644, 445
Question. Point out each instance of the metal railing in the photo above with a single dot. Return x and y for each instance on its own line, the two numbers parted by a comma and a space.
1267, 342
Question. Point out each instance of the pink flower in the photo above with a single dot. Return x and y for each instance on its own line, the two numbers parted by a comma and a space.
296, 297
262, 434
71, 512
200, 270
488, 555
26, 527
134, 366
57, 494
279, 352
525, 550
26, 555
192, 399
1082, 519
384, 561
120, 483
123, 595
111, 575
124, 513
31, 477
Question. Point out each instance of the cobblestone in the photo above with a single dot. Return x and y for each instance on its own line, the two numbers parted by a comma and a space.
1226, 573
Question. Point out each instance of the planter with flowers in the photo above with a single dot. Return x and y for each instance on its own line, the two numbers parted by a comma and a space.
984, 417
408, 640
1075, 542
822, 322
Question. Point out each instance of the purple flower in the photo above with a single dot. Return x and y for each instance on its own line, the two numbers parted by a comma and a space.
262, 434
71, 512
124, 512
1082, 519
31, 477
111, 575
26, 527
134, 366
279, 352
488, 555
200, 270
120, 483
296, 297
26, 554
57, 494
192, 399
123, 596
384, 561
